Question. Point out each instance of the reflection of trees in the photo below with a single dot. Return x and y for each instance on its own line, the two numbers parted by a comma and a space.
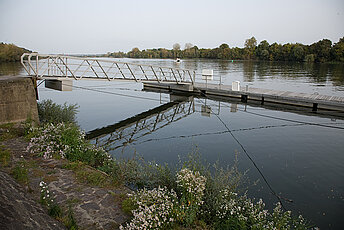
318, 73
336, 74
189, 64
263, 70
249, 71
223, 64
11, 68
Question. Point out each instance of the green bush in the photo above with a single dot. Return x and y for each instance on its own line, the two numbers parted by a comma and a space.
50, 112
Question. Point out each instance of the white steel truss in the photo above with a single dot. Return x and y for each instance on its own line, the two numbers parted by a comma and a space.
56, 66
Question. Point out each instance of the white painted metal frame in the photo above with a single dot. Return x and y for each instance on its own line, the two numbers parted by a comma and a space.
59, 66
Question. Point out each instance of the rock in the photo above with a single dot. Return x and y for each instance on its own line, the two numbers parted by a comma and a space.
19, 211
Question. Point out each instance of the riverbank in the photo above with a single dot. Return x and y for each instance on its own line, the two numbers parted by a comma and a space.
85, 197
84, 202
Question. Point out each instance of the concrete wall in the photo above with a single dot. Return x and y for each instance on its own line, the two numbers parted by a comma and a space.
17, 99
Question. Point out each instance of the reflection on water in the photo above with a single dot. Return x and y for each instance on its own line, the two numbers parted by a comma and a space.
11, 69
132, 129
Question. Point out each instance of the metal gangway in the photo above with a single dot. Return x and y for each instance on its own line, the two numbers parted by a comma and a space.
59, 67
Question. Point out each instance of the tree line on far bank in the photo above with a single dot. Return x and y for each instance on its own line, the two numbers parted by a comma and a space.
321, 51
11, 52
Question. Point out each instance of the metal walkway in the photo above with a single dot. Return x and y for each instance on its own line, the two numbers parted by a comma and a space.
58, 66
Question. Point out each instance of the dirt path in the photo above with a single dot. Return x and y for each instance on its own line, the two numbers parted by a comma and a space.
93, 207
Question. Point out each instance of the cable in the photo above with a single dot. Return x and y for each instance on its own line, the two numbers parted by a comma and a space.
112, 93
295, 121
250, 158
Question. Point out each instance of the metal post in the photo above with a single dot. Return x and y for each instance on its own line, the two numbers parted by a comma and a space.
37, 65
66, 67
48, 66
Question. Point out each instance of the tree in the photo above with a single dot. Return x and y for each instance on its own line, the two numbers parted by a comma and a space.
338, 50
188, 46
251, 43
11, 52
262, 51
250, 46
176, 47
297, 52
322, 50
224, 46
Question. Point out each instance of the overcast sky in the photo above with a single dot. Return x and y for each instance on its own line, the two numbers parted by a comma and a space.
100, 26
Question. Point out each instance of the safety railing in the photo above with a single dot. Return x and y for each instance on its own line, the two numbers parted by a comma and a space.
55, 66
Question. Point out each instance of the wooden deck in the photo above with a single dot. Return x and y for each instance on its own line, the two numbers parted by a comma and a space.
313, 101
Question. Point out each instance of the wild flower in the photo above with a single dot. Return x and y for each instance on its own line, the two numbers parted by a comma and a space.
242, 212
154, 209
191, 185
46, 197
65, 141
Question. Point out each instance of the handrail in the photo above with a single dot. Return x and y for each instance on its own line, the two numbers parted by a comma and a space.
49, 66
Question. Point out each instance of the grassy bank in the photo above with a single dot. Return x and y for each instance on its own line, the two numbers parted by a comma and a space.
189, 195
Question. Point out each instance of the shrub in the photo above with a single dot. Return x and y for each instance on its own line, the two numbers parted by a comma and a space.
50, 112
161, 208
65, 141
154, 209
191, 185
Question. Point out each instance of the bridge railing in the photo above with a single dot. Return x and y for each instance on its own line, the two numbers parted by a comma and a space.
55, 66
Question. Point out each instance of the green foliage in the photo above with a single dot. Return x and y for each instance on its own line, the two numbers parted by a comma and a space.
11, 52
323, 51
5, 156
310, 58
20, 172
50, 112
55, 211
9, 131
93, 177
160, 208
69, 220
128, 205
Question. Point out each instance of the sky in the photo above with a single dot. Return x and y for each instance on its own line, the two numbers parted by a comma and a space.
101, 26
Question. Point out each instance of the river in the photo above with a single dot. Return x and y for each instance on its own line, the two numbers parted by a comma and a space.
296, 154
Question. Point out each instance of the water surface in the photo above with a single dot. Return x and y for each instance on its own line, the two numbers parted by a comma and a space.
300, 154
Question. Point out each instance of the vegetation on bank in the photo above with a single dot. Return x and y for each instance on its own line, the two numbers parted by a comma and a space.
11, 52
193, 195
321, 51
